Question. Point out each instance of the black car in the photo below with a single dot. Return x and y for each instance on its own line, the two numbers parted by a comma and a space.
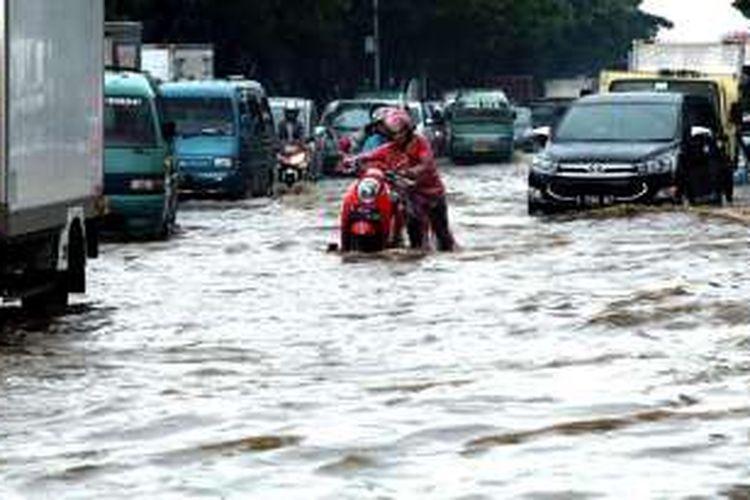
632, 148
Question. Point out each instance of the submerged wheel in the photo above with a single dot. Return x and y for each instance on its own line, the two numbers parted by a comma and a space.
535, 208
729, 186
367, 244
51, 301
262, 183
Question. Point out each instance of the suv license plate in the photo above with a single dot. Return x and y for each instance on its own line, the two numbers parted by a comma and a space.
596, 200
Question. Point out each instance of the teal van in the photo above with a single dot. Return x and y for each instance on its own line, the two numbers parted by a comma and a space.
140, 181
481, 127
220, 144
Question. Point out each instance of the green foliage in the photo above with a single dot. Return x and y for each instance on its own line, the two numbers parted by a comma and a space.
743, 6
317, 46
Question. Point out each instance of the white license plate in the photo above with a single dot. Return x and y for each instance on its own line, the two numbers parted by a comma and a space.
595, 200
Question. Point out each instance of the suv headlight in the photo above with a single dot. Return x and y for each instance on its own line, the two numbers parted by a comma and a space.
223, 162
544, 164
663, 164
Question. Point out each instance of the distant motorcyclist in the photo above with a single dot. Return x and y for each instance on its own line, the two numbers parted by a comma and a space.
410, 155
290, 129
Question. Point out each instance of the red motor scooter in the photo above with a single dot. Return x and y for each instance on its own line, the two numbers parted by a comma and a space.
373, 212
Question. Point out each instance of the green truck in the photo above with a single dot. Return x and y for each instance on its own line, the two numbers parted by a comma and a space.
140, 178
481, 126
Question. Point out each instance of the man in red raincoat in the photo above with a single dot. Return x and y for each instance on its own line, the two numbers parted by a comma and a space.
410, 155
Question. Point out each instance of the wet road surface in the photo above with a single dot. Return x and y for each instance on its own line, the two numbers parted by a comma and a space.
589, 356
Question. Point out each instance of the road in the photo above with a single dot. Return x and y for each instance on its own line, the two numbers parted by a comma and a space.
592, 355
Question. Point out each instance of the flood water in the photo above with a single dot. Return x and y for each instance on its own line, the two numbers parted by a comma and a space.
603, 355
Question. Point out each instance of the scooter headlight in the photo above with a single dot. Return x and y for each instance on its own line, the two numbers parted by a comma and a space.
368, 190
223, 162
297, 159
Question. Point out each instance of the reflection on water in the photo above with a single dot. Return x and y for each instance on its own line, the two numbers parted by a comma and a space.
564, 357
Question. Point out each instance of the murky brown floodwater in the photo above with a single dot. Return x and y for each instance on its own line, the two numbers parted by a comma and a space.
583, 357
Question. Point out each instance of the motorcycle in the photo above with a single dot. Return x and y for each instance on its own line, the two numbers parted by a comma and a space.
373, 212
294, 164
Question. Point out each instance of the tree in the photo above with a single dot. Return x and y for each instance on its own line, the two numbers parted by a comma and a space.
743, 6
316, 47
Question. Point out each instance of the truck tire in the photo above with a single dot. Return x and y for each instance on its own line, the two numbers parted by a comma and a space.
51, 302
729, 186
257, 181
75, 277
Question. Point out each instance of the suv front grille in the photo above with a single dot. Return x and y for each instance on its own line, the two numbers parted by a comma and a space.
588, 170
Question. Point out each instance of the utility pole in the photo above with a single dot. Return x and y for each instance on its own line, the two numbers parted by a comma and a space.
376, 41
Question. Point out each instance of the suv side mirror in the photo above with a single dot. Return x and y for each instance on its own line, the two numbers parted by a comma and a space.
701, 132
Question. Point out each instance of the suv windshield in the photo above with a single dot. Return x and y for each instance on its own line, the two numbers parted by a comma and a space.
619, 122
128, 122
200, 115
708, 90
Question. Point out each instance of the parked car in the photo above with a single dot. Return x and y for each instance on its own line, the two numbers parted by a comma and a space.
342, 119
140, 179
435, 129
260, 139
523, 129
348, 118
548, 112
224, 138
481, 127
632, 148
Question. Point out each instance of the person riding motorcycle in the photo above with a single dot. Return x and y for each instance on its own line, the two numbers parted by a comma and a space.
410, 155
290, 129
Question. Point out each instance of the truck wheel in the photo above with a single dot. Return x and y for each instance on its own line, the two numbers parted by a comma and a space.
51, 302
75, 277
270, 177
537, 208
258, 183
729, 186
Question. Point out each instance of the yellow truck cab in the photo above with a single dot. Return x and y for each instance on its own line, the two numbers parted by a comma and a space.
709, 70
722, 90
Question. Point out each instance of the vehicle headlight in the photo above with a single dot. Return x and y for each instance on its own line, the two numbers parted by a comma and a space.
368, 189
544, 164
223, 162
147, 185
297, 159
663, 164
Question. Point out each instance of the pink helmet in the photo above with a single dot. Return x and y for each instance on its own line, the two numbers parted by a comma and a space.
397, 121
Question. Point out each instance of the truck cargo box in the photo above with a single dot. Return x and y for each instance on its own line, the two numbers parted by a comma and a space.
51, 144
720, 58
178, 62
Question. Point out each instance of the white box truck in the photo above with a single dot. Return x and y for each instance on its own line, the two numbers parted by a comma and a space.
712, 58
51, 147
178, 62
122, 45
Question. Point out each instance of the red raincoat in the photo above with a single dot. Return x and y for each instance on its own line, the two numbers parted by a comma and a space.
417, 162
